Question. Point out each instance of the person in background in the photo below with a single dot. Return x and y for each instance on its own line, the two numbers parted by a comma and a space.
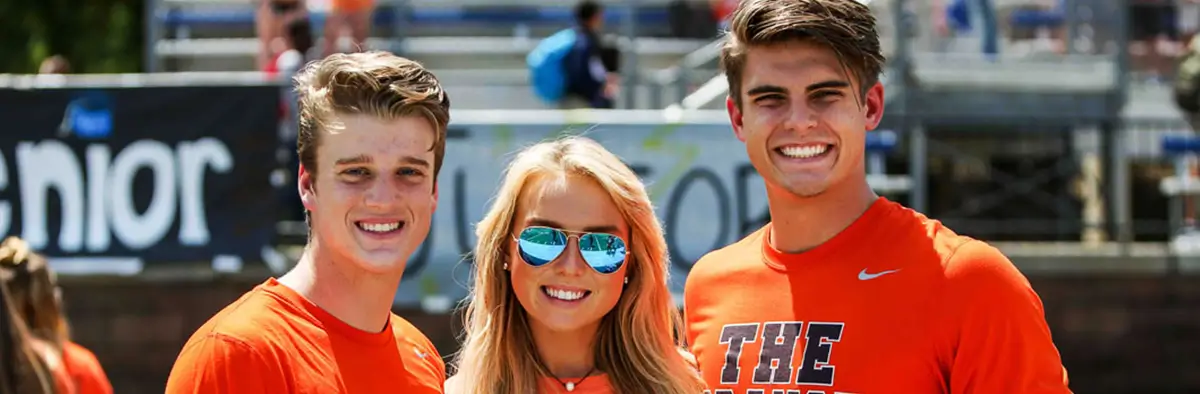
34, 292
269, 19
56, 64
22, 370
1153, 37
721, 10
299, 40
348, 15
1188, 21
975, 17
551, 315
590, 84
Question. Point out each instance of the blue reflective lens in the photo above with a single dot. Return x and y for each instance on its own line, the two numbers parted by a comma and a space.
539, 246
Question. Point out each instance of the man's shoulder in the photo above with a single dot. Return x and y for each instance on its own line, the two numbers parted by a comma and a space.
747, 249
406, 331
975, 264
254, 320
920, 235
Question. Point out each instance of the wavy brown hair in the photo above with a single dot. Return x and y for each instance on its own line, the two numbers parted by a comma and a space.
636, 343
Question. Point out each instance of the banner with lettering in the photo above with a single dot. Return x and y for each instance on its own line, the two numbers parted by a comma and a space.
125, 177
704, 189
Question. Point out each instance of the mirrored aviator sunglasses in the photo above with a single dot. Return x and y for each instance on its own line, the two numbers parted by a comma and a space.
539, 246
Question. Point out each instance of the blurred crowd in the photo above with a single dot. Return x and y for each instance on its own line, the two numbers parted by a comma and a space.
1159, 30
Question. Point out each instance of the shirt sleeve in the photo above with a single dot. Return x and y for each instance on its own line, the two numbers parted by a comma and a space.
220, 364
86, 370
1002, 343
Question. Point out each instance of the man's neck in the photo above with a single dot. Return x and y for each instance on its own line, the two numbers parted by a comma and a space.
802, 223
361, 299
568, 355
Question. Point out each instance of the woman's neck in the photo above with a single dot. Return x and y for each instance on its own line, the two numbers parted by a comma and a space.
567, 354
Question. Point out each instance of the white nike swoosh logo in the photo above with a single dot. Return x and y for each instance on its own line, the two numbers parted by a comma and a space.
865, 276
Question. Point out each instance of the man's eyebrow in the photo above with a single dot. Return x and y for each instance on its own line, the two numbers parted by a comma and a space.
764, 89
417, 161
360, 159
830, 84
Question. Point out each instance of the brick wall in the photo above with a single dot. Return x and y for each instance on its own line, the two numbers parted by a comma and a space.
1117, 334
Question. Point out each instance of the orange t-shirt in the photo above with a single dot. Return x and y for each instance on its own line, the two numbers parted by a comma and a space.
349, 6
85, 370
895, 303
273, 340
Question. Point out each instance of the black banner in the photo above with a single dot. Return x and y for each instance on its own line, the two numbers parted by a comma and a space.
177, 174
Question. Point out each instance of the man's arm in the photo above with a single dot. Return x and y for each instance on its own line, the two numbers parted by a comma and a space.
220, 364
1001, 343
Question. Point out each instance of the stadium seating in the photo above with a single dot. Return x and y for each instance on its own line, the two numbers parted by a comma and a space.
477, 44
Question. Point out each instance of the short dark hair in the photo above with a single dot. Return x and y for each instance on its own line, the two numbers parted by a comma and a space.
299, 31
586, 10
845, 26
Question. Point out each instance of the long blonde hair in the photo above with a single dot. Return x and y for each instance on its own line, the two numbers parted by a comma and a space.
637, 342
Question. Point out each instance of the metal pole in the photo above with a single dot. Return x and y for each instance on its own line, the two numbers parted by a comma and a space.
151, 33
1120, 186
876, 165
402, 12
1071, 8
918, 164
682, 82
900, 59
912, 124
629, 74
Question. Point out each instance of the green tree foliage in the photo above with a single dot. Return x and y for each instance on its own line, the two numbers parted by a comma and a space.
95, 36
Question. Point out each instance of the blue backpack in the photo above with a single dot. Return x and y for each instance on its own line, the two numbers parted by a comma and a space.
546, 69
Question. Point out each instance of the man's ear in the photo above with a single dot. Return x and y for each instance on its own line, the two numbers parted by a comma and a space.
873, 113
735, 118
304, 185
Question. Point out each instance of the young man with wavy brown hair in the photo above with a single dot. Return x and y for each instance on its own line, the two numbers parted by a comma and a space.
845, 291
371, 142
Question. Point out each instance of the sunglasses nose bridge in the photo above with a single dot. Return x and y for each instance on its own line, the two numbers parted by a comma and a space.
571, 259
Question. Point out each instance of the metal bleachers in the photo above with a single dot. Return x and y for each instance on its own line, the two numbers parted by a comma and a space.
218, 35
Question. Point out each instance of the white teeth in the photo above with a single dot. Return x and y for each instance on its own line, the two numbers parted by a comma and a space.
564, 295
379, 227
803, 152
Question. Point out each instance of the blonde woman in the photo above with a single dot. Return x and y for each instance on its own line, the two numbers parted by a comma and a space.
570, 290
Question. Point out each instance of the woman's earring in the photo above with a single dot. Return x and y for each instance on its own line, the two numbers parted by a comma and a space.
626, 280
506, 266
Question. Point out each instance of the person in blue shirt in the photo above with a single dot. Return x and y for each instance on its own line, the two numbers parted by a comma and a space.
591, 83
